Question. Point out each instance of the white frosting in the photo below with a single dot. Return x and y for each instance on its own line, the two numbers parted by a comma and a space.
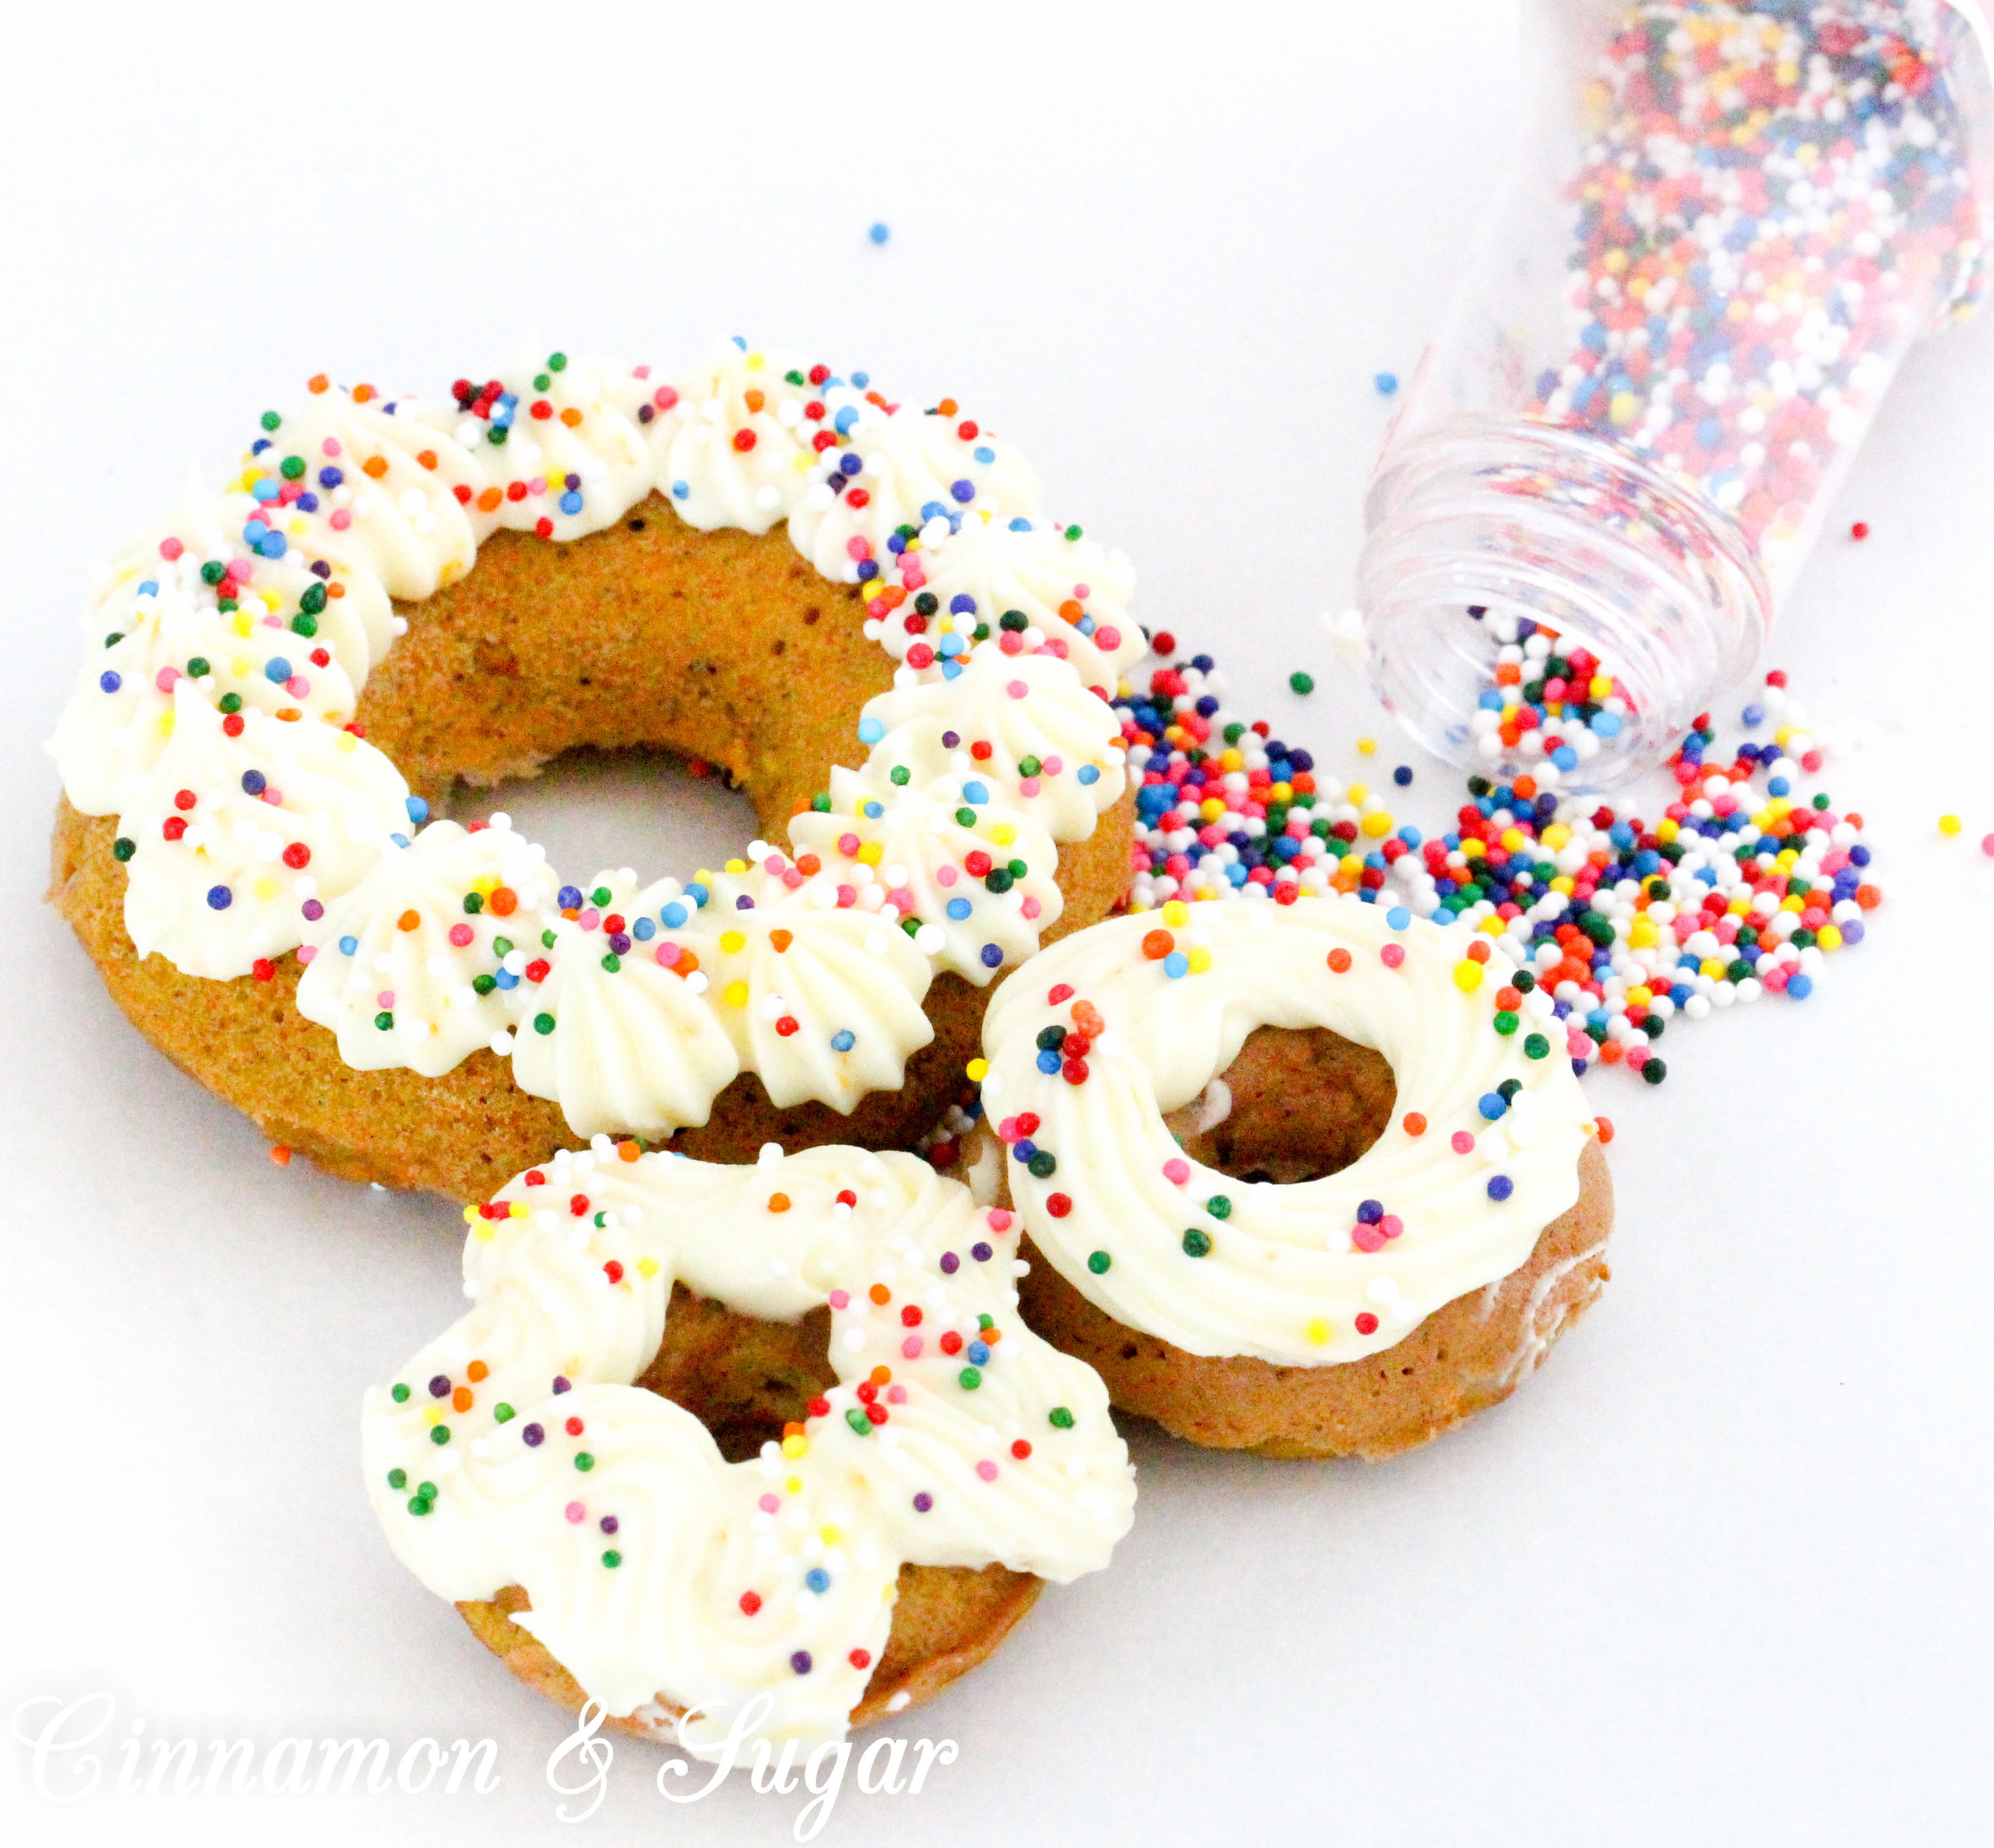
210, 887
1284, 1277
1002, 714
927, 857
357, 500
655, 1569
406, 973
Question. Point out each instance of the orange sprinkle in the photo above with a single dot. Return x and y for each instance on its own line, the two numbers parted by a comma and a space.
947, 407
794, 1430
1340, 961
289, 714
375, 466
628, 1151
317, 383
361, 393
1508, 674
1526, 786
504, 901
1072, 611
755, 400
1086, 1017
281, 1156
880, 1293
882, 1376
809, 865
1157, 944
688, 962
1604, 1126
336, 590
460, 1399
408, 920
778, 1202
781, 939
476, 1371
1415, 1124
1611, 1053
571, 417
488, 500
427, 458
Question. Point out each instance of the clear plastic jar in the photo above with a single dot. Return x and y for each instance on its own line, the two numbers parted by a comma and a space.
1731, 222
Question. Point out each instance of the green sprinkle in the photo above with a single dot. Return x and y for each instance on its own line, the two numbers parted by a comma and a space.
1506, 1023
966, 817
856, 1418
899, 776
1197, 1243
121, 849
1537, 1047
502, 946
547, 940
473, 903
612, 1559
231, 702
502, 1413
600, 896
384, 1020
1098, 1261
557, 362
542, 380
398, 1479
583, 1462
417, 1506
1043, 1165
269, 419
542, 1023
820, 803
612, 961
399, 1395
1302, 683
305, 624
484, 984
1060, 1418
439, 1434
313, 600
1219, 1207
197, 666
291, 467
969, 1379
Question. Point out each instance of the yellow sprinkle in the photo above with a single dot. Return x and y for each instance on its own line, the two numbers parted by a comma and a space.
737, 866
1556, 835
1318, 1333
1467, 977
1199, 960
873, 851
1473, 849
1378, 824
1562, 883
482, 1230
735, 994
1794, 902
1601, 686
1230, 760
756, 361
1211, 808
1949, 825
1639, 995
431, 1416
240, 623
1829, 937
1358, 792
1713, 967
1642, 935
977, 1070
733, 942
484, 884
829, 1536
795, 1485
1512, 838
470, 1215
345, 741
1002, 835
1175, 912
166, 723
646, 1267
794, 1447
1367, 747
265, 889
1738, 908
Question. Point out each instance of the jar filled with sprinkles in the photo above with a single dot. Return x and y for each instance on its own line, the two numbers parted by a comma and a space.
1731, 221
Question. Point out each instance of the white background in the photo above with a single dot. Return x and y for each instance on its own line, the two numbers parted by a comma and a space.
1719, 1573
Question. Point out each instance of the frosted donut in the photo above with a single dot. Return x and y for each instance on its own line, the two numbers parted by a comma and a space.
1456, 1219
596, 1537
394, 595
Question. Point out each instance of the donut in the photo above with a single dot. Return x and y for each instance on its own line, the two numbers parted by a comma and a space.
394, 597
866, 1466
1297, 1186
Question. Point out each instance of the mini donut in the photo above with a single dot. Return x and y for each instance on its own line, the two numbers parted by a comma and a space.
936, 1461
1298, 1187
394, 596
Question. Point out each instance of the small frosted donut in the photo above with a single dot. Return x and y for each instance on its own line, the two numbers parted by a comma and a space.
932, 1452
1416, 1203
760, 564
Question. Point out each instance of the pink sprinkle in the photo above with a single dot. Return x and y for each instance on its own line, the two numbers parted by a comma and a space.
1367, 1238
460, 934
667, 954
897, 1395
847, 897
878, 607
856, 547
664, 397
1056, 645
385, 998
1029, 909
1028, 786
1000, 1218
171, 549
538, 485
1082, 593
1107, 639
1052, 766
769, 1504
330, 445
792, 878
589, 918
1176, 1172
1464, 1142
1987, 844
901, 898
1391, 1225
1392, 954
1017, 689
165, 678
1007, 1130
1011, 641
911, 1347
640, 371
298, 686
987, 1470
848, 845
341, 520
839, 1299
913, 577
945, 875
574, 1511
305, 954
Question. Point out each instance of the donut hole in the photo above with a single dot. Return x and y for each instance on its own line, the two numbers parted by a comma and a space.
648, 808
1295, 1104
742, 1378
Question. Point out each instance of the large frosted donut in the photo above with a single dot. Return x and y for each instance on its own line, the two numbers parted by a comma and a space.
597, 1537
760, 564
1456, 1208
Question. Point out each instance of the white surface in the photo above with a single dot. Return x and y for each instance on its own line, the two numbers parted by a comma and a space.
1717, 1574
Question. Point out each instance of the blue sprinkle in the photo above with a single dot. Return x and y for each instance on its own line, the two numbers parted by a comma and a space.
643, 930
418, 810
680, 490
959, 909
1176, 964
110, 681
849, 464
817, 1579
1387, 383
1606, 725
1493, 1105
1370, 1212
331, 478
150, 587
982, 452
843, 421
220, 898
253, 532
973, 791
265, 491
951, 670
1048, 1062
1398, 918
801, 1662
1024, 1149
1442, 916
962, 604
977, 1353
844, 1039
950, 646
993, 957
1020, 525
568, 898
1800, 986
1403, 776
273, 546
1409, 835
1566, 757
1779, 786
1088, 774
571, 502
673, 916
868, 570
931, 510
861, 380
400, 840
871, 731
878, 232
698, 895
964, 492
871, 810
348, 945
1501, 1187
506, 979
254, 783
1753, 714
